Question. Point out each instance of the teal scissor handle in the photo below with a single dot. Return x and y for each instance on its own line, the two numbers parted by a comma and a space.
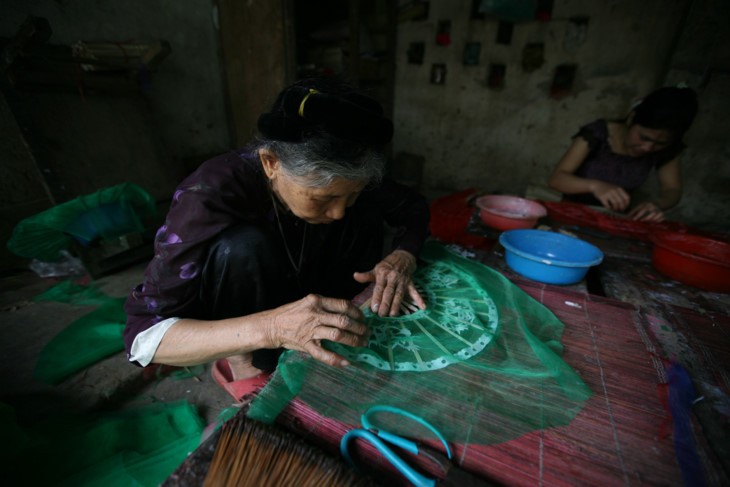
409, 472
377, 437
398, 440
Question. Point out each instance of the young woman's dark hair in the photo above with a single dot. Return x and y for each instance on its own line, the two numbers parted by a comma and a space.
667, 108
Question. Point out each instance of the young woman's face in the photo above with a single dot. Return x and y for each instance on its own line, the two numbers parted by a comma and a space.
641, 140
313, 205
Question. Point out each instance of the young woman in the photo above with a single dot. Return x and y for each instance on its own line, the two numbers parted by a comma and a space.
607, 160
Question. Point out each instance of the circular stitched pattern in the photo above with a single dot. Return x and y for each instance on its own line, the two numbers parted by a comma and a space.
458, 323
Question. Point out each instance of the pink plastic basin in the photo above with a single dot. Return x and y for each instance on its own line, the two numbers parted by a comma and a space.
505, 212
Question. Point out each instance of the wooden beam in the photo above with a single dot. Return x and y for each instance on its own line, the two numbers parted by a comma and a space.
254, 38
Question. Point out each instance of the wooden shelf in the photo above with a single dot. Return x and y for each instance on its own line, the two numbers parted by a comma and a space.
114, 68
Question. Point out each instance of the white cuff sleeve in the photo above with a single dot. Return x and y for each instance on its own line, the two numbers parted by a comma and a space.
145, 344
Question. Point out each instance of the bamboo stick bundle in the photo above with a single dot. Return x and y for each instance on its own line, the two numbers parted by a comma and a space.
250, 453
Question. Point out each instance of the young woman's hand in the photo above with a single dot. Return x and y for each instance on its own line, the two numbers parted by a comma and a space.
647, 212
612, 197
393, 284
303, 324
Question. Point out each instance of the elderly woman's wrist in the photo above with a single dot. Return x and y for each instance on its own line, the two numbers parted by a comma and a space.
404, 254
407, 259
269, 333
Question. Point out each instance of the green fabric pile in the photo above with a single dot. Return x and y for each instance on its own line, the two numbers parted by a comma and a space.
136, 447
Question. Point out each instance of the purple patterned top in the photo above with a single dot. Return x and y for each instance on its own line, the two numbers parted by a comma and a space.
226, 190
604, 164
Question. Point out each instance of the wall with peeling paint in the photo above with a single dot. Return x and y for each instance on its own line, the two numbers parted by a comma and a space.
503, 140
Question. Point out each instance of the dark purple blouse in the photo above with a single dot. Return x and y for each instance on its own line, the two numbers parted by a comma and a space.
622, 170
227, 190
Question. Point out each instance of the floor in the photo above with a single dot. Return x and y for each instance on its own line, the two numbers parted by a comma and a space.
27, 326
112, 383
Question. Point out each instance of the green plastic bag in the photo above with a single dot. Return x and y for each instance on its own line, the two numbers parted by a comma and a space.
107, 213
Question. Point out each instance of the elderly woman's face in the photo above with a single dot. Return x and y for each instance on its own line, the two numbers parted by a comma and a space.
313, 205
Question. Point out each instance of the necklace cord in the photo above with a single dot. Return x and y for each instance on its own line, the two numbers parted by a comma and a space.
297, 268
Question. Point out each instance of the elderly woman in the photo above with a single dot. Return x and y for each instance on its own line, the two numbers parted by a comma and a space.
263, 248
608, 160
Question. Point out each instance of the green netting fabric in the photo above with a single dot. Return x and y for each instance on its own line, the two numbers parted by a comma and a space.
85, 341
136, 447
109, 212
82, 343
461, 320
482, 362
70, 292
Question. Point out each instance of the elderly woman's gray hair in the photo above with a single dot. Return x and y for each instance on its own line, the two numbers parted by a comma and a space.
316, 163
323, 129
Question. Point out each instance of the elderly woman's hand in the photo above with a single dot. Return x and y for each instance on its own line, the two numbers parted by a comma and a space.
303, 324
392, 278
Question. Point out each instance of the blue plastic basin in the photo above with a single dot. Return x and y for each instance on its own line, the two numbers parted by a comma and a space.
549, 257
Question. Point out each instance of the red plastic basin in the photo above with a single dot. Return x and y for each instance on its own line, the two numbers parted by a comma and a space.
698, 261
505, 212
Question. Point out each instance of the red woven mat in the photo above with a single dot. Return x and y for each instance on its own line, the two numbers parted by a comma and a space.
615, 440
579, 214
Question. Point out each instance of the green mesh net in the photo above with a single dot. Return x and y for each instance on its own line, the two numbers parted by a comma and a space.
139, 447
107, 213
82, 343
481, 363
72, 293
85, 341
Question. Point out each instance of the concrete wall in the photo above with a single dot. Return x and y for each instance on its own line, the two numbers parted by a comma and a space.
702, 59
181, 115
22, 187
503, 140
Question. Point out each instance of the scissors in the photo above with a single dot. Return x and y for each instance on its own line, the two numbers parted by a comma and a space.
380, 438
